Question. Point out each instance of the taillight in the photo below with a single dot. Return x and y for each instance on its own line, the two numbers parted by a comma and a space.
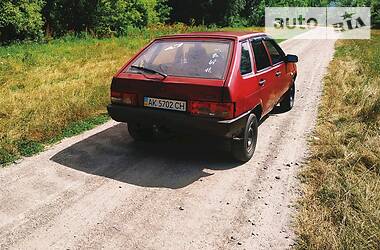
212, 109
123, 98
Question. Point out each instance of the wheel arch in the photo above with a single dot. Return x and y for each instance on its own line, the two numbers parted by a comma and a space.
257, 111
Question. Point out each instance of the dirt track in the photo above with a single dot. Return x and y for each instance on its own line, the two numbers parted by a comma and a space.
102, 190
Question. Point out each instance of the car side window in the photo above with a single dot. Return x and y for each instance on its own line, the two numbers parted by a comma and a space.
275, 51
261, 55
245, 61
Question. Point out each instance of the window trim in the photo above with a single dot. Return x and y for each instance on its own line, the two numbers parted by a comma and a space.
231, 51
269, 40
260, 39
252, 73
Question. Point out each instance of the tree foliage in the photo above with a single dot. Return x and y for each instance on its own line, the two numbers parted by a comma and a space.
249, 12
20, 20
374, 4
62, 16
163, 10
116, 16
31, 19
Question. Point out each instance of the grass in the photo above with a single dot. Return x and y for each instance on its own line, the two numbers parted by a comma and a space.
61, 88
340, 208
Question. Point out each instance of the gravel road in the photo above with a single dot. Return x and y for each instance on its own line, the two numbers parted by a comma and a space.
102, 190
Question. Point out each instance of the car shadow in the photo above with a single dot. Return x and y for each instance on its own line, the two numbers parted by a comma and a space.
173, 163
277, 110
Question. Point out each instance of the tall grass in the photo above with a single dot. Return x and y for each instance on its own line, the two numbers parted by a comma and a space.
341, 205
47, 88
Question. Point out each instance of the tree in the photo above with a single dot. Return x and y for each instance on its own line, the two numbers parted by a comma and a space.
374, 4
163, 10
235, 13
20, 20
62, 16
114, 17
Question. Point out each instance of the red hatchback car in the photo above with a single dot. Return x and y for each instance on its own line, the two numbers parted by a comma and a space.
217, 83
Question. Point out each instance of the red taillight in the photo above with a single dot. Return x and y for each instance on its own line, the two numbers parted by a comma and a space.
123, 98
212, 109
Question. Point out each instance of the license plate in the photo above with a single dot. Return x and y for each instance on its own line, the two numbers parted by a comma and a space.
164, 104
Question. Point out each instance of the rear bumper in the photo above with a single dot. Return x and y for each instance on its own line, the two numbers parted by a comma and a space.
179, 122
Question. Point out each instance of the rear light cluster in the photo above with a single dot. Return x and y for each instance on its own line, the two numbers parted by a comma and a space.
212, 109
124, 98
197, 108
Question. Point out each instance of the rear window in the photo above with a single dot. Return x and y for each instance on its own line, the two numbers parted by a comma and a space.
204, 59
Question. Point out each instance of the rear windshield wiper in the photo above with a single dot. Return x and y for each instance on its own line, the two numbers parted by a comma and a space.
150, 70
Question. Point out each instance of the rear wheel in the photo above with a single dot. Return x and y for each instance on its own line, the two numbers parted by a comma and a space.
243, 148
140, 132
288, 102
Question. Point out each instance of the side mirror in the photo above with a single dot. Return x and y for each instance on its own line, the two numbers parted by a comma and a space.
291, 58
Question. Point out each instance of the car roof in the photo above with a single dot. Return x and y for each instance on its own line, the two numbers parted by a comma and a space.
236, 35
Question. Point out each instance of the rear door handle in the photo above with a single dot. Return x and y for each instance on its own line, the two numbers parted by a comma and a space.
262, 82
278, 73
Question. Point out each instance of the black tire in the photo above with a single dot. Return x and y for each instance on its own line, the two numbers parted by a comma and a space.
140, 132
243, 149
288, 102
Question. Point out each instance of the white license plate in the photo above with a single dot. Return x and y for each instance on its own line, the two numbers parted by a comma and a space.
164, 104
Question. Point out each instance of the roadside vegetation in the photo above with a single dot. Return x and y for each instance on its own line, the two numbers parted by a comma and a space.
40, 20
341, 204
61, 88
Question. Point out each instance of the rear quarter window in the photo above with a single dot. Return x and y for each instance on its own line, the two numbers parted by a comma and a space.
245, 60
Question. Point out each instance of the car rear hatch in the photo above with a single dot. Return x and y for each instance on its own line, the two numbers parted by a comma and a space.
199, 97
180, 73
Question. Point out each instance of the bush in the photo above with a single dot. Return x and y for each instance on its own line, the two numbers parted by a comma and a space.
150, 6
114, 17
102, 17
233, 15
376, 14
163, 10
63, 16
20, 20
